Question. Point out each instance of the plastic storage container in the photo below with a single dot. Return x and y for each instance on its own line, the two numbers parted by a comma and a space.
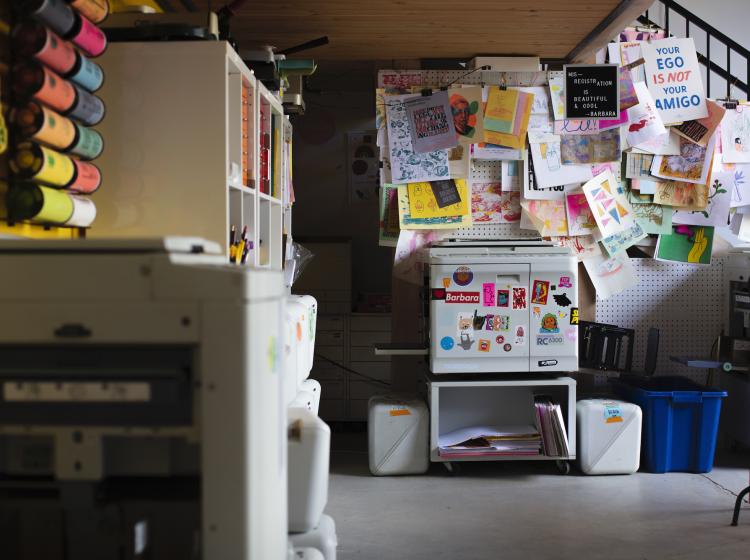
609, 436
309, 448
322, 538
680, 421
398, 431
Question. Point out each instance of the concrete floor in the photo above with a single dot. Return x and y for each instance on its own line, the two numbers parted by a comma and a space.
529, 511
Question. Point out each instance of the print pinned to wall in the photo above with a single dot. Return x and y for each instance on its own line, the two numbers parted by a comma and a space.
653, 218
468, 116
490, 205
687, 244
610, 275
408, 165
580, 217
691, 166
735, 135
716, 212
586, 149
610, 206
540, 292
431, 122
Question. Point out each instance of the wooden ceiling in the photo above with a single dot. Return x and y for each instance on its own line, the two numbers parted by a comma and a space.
412, 29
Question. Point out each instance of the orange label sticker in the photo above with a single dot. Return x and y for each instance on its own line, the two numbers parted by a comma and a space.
614, 419
400, 412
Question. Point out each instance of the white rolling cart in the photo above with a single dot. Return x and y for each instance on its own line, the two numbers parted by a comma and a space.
461, 402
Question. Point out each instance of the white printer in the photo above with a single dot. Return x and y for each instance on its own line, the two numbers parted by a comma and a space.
502, 307
146, 373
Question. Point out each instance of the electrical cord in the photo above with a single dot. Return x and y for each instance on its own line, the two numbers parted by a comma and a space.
351, 371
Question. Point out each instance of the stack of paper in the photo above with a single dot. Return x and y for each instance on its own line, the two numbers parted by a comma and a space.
551, 425
491, 440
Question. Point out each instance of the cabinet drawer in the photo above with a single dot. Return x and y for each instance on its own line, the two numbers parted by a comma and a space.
368, 338
330, 323
370, 323
329, 338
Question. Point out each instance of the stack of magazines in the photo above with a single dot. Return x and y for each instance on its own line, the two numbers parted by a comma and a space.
491, 440
550, 423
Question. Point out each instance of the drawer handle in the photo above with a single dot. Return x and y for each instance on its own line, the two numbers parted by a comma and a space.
73, 330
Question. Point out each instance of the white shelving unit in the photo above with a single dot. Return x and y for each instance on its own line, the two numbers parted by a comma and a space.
179, 117
457, 403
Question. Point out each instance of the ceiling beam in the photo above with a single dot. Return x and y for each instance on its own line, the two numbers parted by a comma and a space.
618, 19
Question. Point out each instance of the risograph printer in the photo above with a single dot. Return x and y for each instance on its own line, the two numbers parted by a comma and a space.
141, 404
502, 307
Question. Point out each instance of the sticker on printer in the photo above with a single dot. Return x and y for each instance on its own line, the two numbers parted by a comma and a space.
507, 347
573, 315
521, 335
466, 341
484, 345
612, 413
447, 343
478, 321
463, 276
540, 292
503, 298
462, 297
565, 282
465, 323
572, 334
549, 324
446, 282
499, 339
399, 410
562, 300
519, 298
537, 311
437, 294
488, 294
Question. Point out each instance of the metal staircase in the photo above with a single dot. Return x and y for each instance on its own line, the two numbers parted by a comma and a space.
719, 62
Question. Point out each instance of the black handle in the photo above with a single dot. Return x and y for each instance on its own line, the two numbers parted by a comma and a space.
72, 330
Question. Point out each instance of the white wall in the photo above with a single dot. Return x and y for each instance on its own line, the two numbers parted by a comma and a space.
730, 17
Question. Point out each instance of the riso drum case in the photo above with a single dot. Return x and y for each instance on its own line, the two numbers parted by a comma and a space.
503, 309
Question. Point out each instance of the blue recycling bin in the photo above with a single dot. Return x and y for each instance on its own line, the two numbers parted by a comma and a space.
680, 421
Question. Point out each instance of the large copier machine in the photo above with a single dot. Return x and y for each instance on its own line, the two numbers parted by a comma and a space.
142, 413
498, 307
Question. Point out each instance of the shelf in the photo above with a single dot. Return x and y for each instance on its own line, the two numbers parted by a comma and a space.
243, 188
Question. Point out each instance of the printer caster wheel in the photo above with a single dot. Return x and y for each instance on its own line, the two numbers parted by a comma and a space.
453, 469
563, 467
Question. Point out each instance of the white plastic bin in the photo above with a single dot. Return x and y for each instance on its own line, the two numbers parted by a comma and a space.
309, 448
609, 436
323, 538
398, 430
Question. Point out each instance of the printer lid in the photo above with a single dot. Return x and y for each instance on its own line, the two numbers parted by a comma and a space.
162, 245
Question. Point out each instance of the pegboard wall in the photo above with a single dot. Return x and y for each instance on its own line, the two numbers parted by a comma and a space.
685, 302
481, 170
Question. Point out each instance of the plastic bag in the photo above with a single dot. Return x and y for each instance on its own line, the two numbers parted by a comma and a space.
296, 259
